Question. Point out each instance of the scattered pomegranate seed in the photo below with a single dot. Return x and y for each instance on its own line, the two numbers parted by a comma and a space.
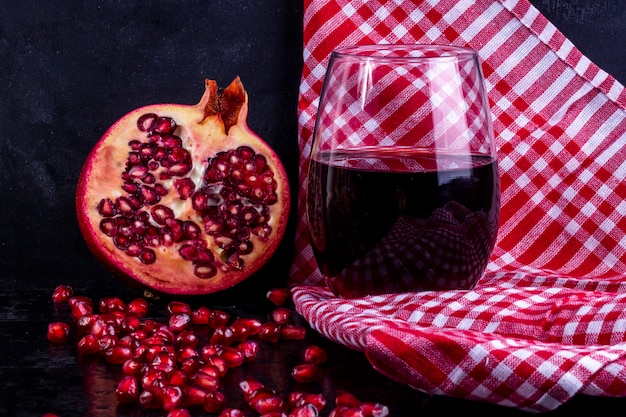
307, 372
62, 294
179, 364
315, 354
232, 412
214, 402
58, 332
292, 332
264, 405
179, 322
281, 315
138, 308
298, 399
127, 390
249, 349
174, 307
118, 354
111, 304
370, 409
179, 412
279, 296
218, 318
201, 315
304, 410
88, 345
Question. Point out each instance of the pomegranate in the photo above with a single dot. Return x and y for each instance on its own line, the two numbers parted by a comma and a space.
184, 199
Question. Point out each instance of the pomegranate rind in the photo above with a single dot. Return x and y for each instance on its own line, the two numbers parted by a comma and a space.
204, 134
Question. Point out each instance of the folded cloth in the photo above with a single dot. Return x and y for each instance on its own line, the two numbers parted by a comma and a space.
548, 319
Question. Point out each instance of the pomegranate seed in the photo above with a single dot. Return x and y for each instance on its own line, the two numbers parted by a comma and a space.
345, 399
79, 299
146, 122
185, 187
164, 125
232, 412
315, 354
172, 397
106, 342
269, 332
370, 409
132, 367
58, 332
222, 335
127, 390
179, 412
249, 385
137, 308
88, 345
279, 296
185, 353
345, 411
218, 318
292, 332
304, 410
232, 356
111, 304
174, 307
239, 330
219, 363
62, 294
266, 405
149, 398
191, 365
179, 322
281, 315
214, 402
131, 324
186, 338
251, 324
106, 208
85, 324
307, 372
81, 309
299, 399
211, 370
164, 362
249, 349
201, 315
205, 381
118, 354
194, 395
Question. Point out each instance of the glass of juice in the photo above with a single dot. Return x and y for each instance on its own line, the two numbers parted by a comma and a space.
403, 192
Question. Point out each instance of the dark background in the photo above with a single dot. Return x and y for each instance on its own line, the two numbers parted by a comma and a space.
69, 69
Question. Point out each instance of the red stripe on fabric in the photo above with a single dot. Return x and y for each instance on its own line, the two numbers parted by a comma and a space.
413, 361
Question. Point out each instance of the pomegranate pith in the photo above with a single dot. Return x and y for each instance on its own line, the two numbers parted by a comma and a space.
184, 199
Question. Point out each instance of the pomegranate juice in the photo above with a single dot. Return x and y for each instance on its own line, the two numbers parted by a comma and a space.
402, 220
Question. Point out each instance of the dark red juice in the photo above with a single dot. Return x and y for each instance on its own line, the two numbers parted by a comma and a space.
396, 220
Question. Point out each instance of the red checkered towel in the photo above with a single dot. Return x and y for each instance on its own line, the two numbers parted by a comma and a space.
548, 319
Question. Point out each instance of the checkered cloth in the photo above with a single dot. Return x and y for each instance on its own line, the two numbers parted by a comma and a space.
548, 319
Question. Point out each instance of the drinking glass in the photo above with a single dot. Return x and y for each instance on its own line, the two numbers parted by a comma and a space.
403, 192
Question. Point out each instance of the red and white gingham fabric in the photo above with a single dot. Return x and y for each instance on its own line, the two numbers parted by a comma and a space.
548, 319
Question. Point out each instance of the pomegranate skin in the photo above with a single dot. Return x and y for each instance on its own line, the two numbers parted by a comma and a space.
216, 124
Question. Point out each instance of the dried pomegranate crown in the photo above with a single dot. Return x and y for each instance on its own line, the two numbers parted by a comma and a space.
184, 199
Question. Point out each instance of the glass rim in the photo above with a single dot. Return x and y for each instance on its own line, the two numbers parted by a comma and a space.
371, 51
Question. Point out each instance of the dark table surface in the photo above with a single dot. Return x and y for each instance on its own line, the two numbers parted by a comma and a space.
70, 69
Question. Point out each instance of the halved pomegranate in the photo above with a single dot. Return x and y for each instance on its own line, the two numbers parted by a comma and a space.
184, 199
